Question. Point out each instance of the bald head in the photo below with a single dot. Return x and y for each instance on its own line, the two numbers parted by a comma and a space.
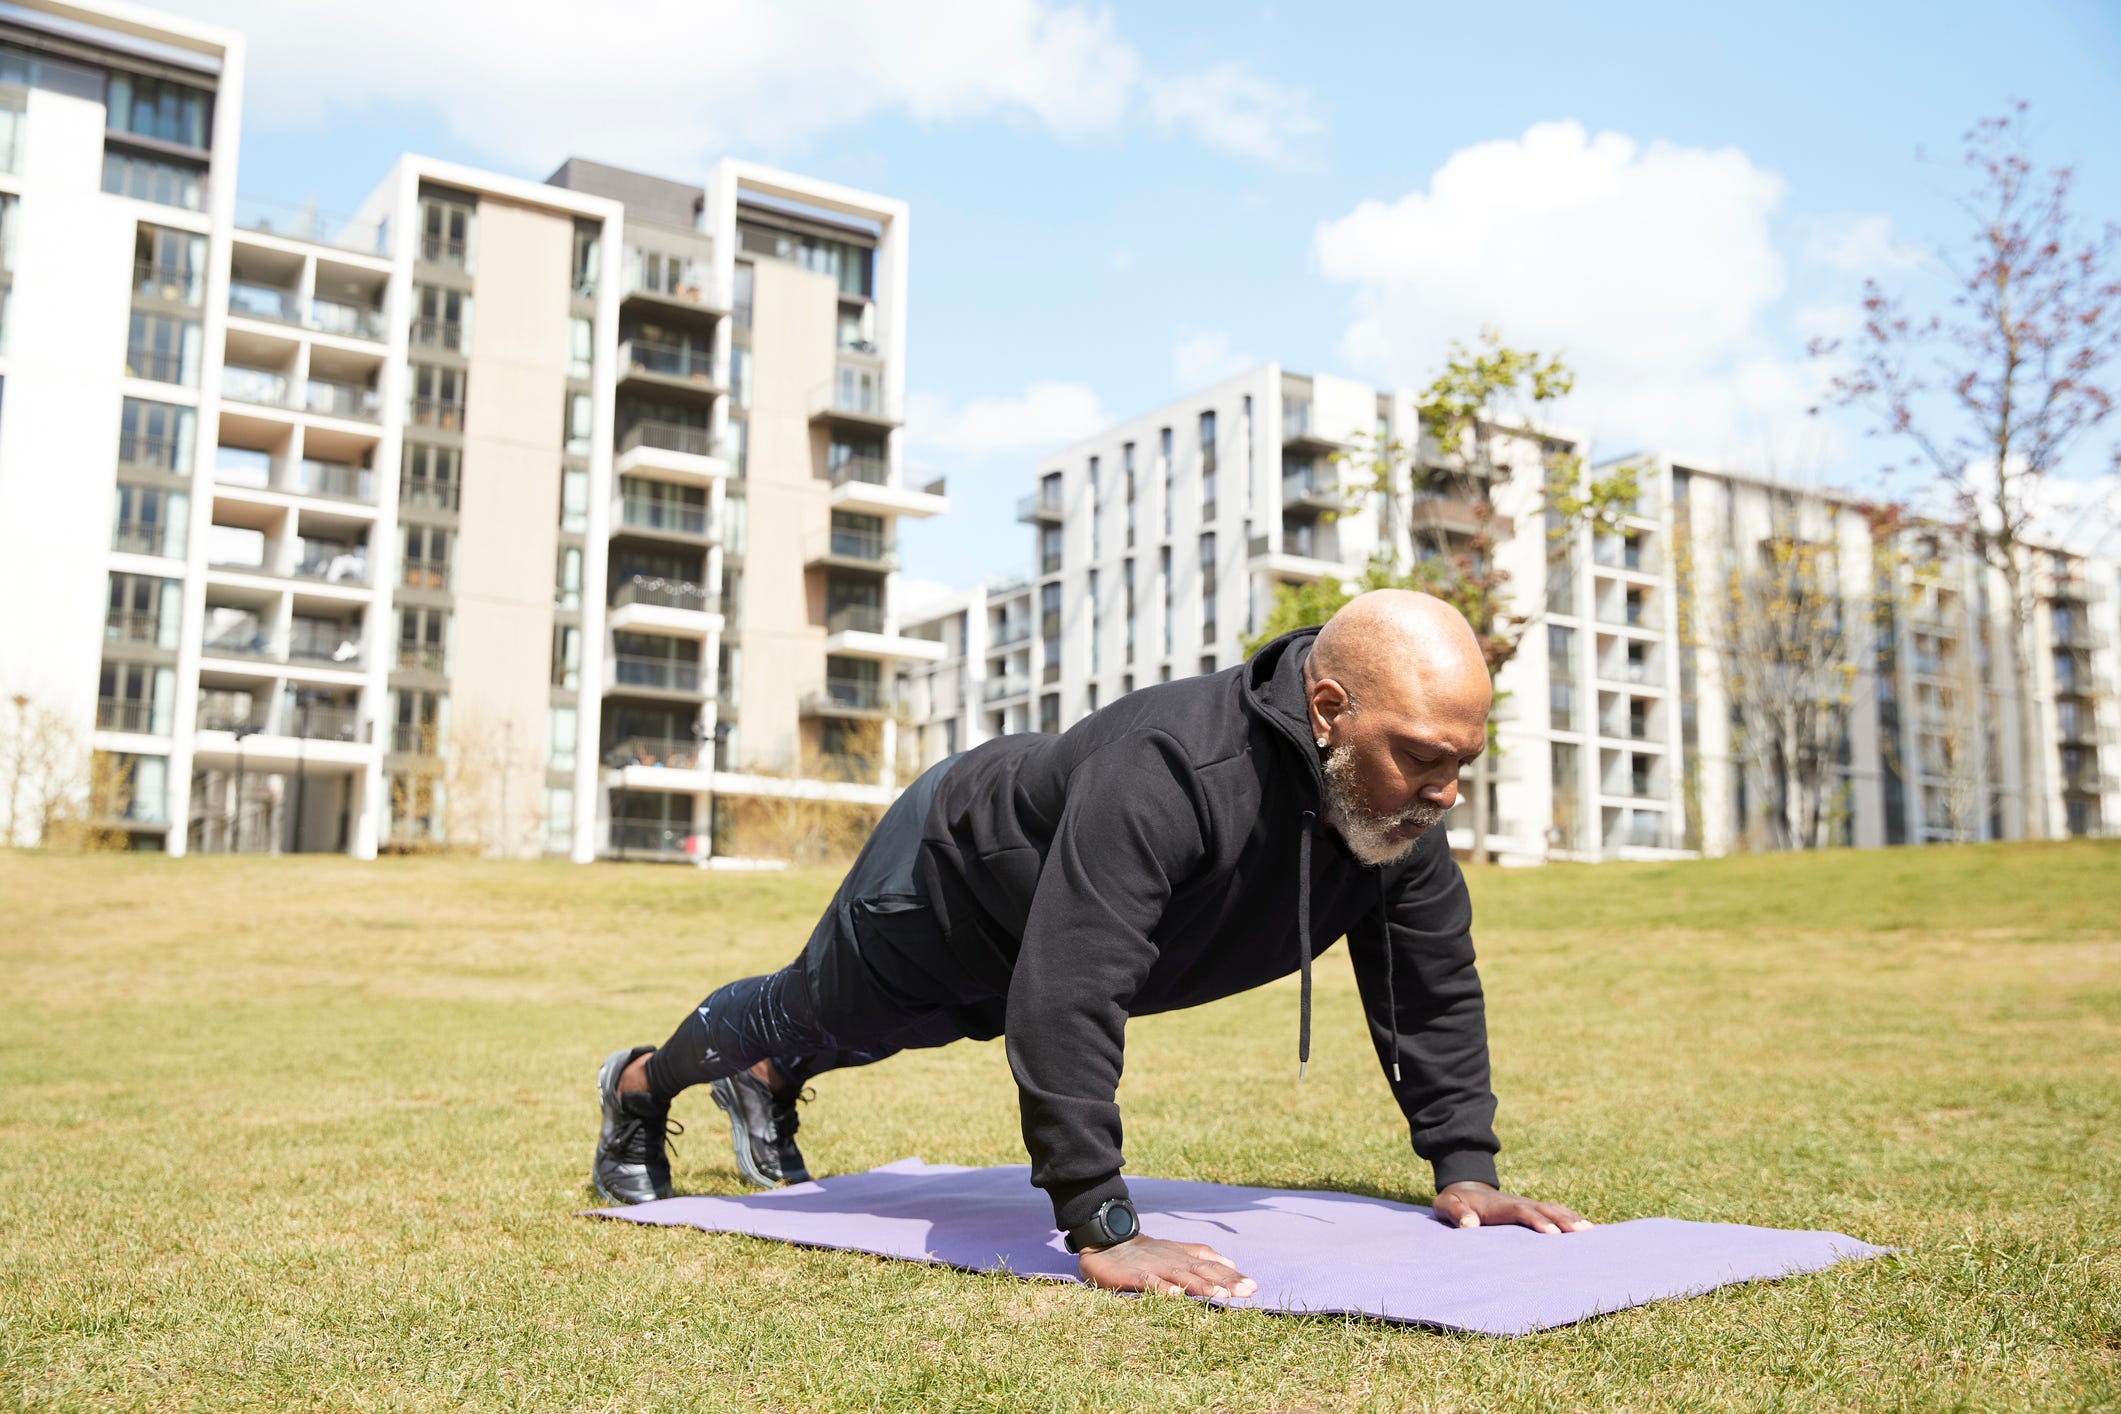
1398, 693
1396, 646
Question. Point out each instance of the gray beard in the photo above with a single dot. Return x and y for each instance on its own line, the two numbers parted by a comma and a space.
1368, 836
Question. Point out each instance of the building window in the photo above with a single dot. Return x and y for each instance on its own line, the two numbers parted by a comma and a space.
143, 609
588, 256
567, 579
149, 521
574, 499
429, 476
156, 435
581, 347
1164, 456
1096, 620
419, 721
1208, 633
445, 232
566, 656
559, 738
559, 819
1049, 549
438, 397
1126, 455
423, 639
158, 109
426, 557
1096, 512
146, 179
163, 350
444, 318
169, 265
1163, 559
1127, 586
1049, 713
1207, 467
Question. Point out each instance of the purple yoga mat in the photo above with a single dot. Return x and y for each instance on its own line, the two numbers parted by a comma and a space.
1311, 1252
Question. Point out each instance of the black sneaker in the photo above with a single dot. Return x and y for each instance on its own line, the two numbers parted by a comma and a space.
762, 1129
632, 1163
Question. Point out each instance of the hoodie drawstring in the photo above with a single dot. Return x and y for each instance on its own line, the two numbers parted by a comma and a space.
1303, 941
1384, 931
1303, 952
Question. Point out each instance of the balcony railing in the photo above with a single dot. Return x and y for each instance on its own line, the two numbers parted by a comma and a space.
342, 400
674, 277
694, 365
337, 480
439, 334
346, 320
143, 537
242, 641
1310, 544
668, 752
848, 695
1010, 685
178, 284
864, 547
1624, 555
158, 366
416, 739
124, 714
661, 674
253, 385
333, 564
440, 414
159, 453
434, 495
655, 839
1617, 670
1040, 505
865, 467
668, 437
437, 250
323, 722
664, 593
1010, 632
855, 618
325, 643
650, 513
425, 572
252, 301
417, 657
132, 625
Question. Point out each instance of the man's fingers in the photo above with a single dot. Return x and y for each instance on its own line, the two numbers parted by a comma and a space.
1207, 1253
1568, 1218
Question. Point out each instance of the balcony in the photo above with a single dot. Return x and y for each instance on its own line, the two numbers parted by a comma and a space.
1645, 672
415, 656
142, 626
651, 604
1299, 558
660, 752
127, 714
170, 284
259, 386
860, 698
662, 518
859, 631
1040, 508
864, 484
1439, 515
669, 365
331, 562
1008, 632
424, 572
435, 414
161, 366
1624, 553
347, 400
652, 839
1300, 427
850, 550
671, 279
1312, 488
440, 250
855, 398
444, 334
1006, 687
674, 451
170, 454
147, 537
325, 644
637, 672
867, 468
426, 494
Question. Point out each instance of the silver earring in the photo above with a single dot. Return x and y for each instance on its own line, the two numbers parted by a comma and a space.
1321, 741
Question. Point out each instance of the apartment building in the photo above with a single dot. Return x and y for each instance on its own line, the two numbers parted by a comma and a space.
1622, 720
522, 517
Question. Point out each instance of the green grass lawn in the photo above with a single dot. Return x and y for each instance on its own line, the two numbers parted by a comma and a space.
311, 1133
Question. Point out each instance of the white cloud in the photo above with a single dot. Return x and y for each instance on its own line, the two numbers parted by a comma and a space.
1649, 268
914, 597
1862, 244
1232, 108
1045, 415
670, 84
1205, 356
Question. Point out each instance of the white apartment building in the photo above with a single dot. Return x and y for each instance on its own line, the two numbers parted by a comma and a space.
527, 517
1160, 543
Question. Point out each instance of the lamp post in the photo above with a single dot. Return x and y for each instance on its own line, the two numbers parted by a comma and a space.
304, 696
242, 729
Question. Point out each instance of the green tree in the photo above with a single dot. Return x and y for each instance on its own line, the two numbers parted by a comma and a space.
1439, 525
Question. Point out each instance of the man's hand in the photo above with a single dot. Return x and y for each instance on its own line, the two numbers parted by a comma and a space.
1469, 1203
1169, 1268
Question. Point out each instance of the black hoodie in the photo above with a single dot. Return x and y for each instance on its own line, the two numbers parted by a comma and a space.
1152, 857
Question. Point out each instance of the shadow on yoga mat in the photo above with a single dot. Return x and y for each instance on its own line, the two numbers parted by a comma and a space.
1312, 1253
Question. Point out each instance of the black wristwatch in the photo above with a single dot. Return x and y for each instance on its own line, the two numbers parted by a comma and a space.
1113, 1223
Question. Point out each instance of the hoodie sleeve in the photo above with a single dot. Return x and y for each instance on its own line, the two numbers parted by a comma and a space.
1130, 832
1442, 1021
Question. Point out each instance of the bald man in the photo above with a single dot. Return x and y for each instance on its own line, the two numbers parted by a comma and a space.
1189, 841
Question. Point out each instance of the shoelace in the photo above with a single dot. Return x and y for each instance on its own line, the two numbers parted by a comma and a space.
637, 1138
785, 1120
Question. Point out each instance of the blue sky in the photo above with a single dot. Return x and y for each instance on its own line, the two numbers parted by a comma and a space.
1112, 204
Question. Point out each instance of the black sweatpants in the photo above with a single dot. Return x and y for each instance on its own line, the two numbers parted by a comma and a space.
844, 1001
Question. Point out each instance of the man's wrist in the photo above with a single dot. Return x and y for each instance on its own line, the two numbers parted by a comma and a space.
1463, 1165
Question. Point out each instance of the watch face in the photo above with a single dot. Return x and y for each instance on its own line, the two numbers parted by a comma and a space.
1122, 1223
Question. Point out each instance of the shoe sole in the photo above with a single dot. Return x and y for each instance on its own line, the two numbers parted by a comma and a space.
740, 1136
